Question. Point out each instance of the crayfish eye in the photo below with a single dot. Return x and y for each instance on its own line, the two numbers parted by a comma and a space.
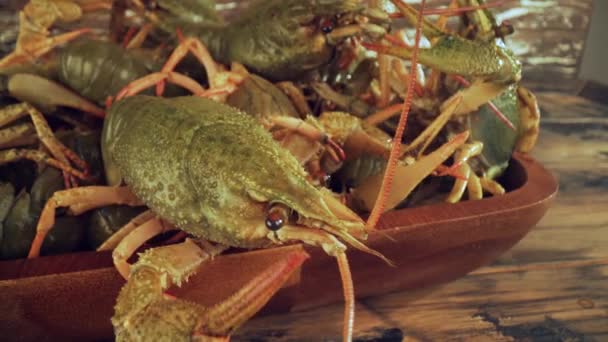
274, 223
327, 25
276, 216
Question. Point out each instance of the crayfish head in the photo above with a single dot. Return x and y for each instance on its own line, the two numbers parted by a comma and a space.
284, 39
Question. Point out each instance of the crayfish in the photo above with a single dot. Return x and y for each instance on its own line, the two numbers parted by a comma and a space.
240, 163
502, 116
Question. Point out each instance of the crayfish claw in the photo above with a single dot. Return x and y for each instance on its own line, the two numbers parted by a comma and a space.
143, 311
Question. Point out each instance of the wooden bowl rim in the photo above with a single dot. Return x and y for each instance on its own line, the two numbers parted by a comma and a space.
538, 186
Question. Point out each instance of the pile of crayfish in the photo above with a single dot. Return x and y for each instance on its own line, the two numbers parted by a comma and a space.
284, 125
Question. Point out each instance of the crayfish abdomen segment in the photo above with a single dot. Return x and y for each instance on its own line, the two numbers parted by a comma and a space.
98, 69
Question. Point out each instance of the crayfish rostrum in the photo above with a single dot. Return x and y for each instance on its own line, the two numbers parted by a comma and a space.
254, 177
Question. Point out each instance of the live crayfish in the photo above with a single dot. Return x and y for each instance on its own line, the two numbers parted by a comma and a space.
270, 212
280, 39
269, 180
79, 76
481, 56
315, 208
78, 61
37, 93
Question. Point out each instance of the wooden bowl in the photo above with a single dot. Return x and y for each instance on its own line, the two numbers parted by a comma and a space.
72, 296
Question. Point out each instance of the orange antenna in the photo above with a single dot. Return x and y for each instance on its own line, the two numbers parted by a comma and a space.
387, 181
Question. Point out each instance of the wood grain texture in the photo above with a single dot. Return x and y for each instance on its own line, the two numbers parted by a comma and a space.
540, 305
552, 286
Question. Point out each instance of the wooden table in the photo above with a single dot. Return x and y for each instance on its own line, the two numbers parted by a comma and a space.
552, 286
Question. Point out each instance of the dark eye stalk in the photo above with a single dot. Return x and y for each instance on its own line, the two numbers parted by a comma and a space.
327, 25
276, 216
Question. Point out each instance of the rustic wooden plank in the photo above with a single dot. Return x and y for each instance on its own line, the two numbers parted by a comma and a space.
550, 304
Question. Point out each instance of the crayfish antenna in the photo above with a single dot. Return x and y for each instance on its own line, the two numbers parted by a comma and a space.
387, 181
349, 296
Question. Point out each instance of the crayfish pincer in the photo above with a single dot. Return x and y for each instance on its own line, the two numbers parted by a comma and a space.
188, 160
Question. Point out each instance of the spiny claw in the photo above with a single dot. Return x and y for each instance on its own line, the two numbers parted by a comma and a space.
408, 176
144, 311
36, 48
455, 55
458, 56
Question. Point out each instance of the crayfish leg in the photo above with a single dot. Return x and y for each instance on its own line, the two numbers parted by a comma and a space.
135, 239
491, 186
424, 139
474, 189
63, 155
311, 132
78, 200
462, 156
460, 184
120, 234
44, 132
198, 50
16, 154
153, 79
17, 135
296, 96
219, 80
139, 38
